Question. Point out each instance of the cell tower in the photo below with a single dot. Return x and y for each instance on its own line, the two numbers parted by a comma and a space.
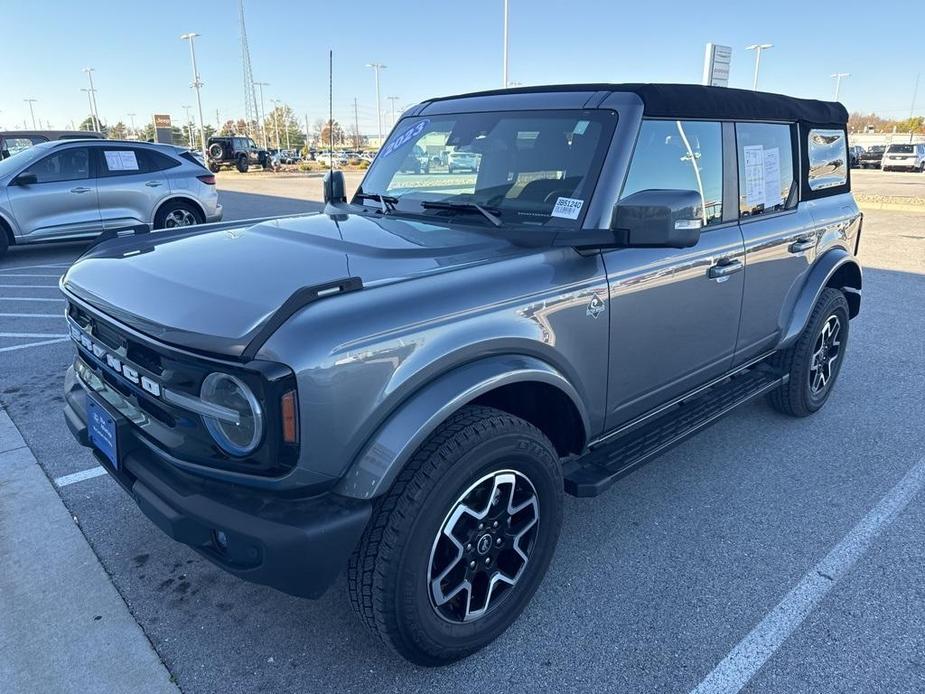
250, 97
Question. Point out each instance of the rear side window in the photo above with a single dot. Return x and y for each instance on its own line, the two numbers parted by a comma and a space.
72, 164
680, 155
766, 180
828, 159
130, 161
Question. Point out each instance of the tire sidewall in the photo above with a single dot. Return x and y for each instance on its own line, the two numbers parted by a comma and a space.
421, 624
170, 207
835, 304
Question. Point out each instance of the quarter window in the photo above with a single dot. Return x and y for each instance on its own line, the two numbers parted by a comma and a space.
680, 155
72, 164
828, 159
766, 181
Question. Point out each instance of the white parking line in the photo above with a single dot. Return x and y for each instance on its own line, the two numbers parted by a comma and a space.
34, 267
26, 298
80, 476
34, 344
31, 315
29, 274
751, 653
39, 335
28, 286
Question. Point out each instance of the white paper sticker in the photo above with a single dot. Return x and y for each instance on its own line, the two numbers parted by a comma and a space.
567, 208
754, 175
772, 191
121, 160
581, 126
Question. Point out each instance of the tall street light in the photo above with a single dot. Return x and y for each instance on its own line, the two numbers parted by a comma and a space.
189, 126
504, 71
31, 101
377, 67
90, 104
93, 110
132, 119
263, 113
393, 99
758, 47
197, 83
276, 103
837, 76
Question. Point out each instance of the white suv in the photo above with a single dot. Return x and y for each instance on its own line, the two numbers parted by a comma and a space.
908, 156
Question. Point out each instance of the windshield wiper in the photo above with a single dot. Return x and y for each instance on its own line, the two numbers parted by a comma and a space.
489, 214
387, 202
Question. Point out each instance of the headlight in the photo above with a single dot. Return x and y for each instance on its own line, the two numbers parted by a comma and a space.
236, 438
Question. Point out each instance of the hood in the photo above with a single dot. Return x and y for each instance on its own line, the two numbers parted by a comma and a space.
212, 289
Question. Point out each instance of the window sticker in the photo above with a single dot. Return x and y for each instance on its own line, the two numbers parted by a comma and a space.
567, 208
121, 160
772, 192
580, 127
754, 175
406, 137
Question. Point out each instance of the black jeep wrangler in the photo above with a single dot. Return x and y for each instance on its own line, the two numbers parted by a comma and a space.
236, 151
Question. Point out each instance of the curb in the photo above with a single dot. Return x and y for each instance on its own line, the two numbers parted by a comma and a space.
63, 625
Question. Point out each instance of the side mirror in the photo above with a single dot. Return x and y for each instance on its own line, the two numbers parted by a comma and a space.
25, 179
659, 219
335, 190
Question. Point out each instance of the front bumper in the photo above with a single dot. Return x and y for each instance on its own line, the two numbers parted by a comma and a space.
296, 545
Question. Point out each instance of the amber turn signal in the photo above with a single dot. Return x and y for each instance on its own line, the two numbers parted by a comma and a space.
290, 412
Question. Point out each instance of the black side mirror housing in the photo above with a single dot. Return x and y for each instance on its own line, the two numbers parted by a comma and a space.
658, 219
335, 190
25, 179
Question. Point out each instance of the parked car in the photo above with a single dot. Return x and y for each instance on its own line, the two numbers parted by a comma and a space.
416, 161
14, 141
854, 156
71, 189
871, 157
462, 161
904, 157
237, 151
413, 379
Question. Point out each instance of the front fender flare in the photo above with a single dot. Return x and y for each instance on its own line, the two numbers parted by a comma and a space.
385, 454
818, 279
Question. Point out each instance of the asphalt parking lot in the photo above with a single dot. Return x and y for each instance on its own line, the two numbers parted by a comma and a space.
653, 585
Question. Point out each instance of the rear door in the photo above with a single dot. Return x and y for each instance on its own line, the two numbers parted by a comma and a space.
63, 203
131, 185
673, 319
779, 235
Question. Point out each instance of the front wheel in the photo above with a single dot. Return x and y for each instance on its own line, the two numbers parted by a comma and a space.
242, 164
457, 548
814, 361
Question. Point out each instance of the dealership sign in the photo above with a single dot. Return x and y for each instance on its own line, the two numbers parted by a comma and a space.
716, 62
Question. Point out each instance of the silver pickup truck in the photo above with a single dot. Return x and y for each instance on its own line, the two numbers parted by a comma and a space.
407, 383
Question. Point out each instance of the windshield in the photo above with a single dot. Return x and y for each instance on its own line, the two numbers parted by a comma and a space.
13, 163
900, 149
533, 168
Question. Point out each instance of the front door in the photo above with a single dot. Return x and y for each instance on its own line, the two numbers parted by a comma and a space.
673, 318
63, 203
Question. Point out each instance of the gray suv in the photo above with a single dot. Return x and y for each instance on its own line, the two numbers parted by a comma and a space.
71, 189
408, 383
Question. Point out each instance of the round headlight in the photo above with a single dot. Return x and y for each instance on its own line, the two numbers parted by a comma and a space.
237, 438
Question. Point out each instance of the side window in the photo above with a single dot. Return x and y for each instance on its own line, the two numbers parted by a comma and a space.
120, 161
681, 155
155, 161
72, 164
766, 181
828, 159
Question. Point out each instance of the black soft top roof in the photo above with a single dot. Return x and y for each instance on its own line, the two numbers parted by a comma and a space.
697, 101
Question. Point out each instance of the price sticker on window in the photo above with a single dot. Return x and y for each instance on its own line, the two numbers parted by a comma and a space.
567, 208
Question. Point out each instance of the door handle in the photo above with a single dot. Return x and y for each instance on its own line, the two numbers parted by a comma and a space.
81, 189
724, 268
153, 184
800, 245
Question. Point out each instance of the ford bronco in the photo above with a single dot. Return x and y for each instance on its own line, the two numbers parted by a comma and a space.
407, 383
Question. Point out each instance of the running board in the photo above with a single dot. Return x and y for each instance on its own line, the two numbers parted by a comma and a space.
595, 471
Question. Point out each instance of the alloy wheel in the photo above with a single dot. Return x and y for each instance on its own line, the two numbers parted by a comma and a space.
826, 352
179, 218
483, 546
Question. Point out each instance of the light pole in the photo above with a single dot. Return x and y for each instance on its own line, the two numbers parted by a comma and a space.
838, 76
504, 71
197, 83
31, 101
275, 103
263, 113
132, 119
93, 110
393, 99
189, 126
377, 67
758, 47
90, 104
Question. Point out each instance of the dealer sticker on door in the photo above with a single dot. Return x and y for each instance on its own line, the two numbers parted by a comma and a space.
567, 208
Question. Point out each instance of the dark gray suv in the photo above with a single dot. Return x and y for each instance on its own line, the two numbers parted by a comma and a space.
408, 383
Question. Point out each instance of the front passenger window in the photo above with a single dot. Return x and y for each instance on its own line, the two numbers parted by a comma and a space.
680, 155
72, 164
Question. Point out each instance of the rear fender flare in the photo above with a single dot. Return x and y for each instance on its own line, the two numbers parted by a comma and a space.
385, 454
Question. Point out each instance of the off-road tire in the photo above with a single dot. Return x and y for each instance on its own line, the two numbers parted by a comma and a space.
214, 168
388, 573
796, 398
241, 163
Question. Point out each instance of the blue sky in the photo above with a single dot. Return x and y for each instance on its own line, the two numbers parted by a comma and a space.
437, 47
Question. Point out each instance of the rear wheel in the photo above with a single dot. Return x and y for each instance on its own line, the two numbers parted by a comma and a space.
457, 548
814, 361
177, 214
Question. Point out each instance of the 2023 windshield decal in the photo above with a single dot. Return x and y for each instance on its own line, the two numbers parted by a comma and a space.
406, 137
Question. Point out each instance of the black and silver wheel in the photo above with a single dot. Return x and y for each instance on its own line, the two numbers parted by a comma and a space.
814, 361
177, 214
457, 548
